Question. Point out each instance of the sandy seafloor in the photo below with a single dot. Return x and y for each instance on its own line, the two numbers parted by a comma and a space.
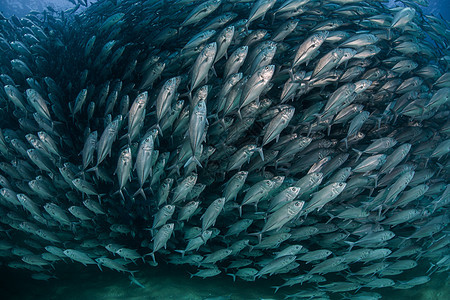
173, 282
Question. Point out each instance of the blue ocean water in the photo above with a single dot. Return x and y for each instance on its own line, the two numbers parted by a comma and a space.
22, 7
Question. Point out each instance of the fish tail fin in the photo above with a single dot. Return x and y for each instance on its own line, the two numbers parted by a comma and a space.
152, 254
93, 169
375, 178
159, 129
99, 196
214, 70
140, 192
118, 192
258, 234
276, 288
232, 275
331, 218
291, 73
359, 152
182, 252
346, 142
430, 268
351, 244
261, 153
193, 159
395, 116
214, 116
239, 114
153, 257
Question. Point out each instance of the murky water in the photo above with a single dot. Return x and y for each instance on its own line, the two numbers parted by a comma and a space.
171, 282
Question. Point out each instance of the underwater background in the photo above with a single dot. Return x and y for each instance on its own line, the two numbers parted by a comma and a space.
166, 281
170, 282
22, 7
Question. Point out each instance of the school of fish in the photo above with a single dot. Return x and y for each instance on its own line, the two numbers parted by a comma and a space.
304, 139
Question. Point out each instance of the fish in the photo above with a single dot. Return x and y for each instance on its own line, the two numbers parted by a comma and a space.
283, 215
202, 65
136, 116
112, 264
259, 9
197, 124
235, 61
130, 134
200, 12
124, 166
211, 213
166, 96
79, 256
130, 254
275, 265
143, 165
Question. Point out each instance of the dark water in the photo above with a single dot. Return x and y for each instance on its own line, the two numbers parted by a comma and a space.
171, 282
